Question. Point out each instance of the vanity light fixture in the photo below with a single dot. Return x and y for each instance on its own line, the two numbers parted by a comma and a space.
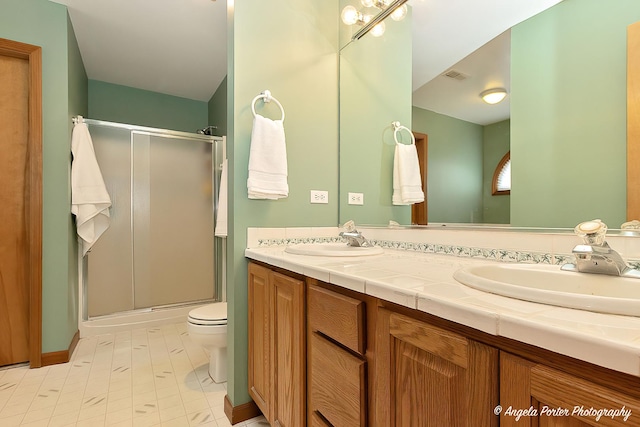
397, 9
493, 96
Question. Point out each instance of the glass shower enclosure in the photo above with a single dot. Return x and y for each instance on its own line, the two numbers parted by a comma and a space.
159, 250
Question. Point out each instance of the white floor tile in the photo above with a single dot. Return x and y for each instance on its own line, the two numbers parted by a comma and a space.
144, 377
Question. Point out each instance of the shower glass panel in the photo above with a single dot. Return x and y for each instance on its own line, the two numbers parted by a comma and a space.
109, 263
159, 248
172, 220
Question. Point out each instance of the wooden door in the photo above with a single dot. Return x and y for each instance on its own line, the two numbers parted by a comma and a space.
288, 351
21, 200
633, 121
419, 211
555, 398
427, 376
259, 340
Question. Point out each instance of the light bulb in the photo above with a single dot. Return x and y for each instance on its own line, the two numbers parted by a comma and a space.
366, 18
378, 30
367, 3
399, 13
349, 15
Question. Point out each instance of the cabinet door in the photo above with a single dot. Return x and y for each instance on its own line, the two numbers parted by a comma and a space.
288, 356
555, 398
428, 376
259, 344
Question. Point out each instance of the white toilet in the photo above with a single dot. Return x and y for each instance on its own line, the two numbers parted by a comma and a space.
207, 326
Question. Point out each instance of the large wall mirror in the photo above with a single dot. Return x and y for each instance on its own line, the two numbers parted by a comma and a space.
565, 126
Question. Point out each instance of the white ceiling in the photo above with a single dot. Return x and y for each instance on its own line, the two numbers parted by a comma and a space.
455, 34
487, 68
179, 47
176, 47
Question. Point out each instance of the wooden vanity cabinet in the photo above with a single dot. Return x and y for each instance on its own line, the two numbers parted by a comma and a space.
556, 398
324, 356
276, 344
428, 376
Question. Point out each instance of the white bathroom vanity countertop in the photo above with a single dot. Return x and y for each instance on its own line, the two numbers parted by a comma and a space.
425, 282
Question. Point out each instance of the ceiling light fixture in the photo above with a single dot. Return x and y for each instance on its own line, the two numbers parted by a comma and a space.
493, 96
397, 9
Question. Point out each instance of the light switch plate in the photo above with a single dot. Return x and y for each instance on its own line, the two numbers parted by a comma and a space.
356, 199
319, 196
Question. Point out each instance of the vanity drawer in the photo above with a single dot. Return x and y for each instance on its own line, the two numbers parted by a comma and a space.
318, 421
337, 316
338, 389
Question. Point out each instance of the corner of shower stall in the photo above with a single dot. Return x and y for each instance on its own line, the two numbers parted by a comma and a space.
159, 258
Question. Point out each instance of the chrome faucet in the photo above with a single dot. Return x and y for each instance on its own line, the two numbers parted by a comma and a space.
353, 236
595, 255
599, 259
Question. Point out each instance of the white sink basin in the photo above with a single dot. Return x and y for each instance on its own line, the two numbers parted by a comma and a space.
548, 284
332, 249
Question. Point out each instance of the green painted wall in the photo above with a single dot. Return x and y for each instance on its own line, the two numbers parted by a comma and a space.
496, 143
568, 114
78, 83
454, 167
78, 104
294, 54
43, 23
123, 104
375, 91
217, 108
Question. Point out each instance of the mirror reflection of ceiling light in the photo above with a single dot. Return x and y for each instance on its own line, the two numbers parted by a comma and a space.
350, 15
394, 8
399, 13
493, 96
378, 30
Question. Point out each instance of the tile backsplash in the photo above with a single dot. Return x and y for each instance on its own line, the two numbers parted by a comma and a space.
495, 245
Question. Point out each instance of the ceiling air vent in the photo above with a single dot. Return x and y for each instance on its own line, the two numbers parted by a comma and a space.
456, 75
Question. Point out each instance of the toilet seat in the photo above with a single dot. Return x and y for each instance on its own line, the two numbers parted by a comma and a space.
209, 315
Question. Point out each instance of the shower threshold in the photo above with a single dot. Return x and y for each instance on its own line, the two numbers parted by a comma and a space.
139, 318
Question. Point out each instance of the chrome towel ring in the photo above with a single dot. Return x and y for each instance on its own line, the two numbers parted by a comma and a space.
397, 127
266, 98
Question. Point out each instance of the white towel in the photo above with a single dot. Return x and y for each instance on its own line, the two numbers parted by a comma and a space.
221, 219
90, 201
267, 160
407, 183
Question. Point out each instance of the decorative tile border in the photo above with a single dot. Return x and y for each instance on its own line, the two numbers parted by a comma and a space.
263, 243
435, 248
502, 255
634, 263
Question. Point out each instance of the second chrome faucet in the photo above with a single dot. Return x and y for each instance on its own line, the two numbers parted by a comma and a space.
353, 236
595, 255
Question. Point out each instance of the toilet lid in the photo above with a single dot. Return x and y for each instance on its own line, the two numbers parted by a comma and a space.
210, 314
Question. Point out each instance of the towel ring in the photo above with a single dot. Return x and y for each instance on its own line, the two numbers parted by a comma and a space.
266, 98
398, 127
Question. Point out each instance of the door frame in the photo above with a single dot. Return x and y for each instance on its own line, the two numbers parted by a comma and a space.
633, 123
33, 195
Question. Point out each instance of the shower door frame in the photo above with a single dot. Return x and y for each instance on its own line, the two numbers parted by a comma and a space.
217, 153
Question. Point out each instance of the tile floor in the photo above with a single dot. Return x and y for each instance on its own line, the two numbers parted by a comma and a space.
144, 377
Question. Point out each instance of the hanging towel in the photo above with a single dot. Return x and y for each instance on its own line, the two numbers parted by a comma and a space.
221, 219
90, 201
267, 160
407, 183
